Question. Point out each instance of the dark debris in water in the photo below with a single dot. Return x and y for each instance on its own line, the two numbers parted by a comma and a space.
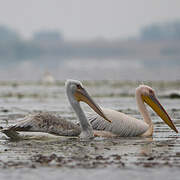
88, 162
155, 164
4, 110
85, 161
14, 164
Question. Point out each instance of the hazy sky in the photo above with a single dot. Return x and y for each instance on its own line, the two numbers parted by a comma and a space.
84, 19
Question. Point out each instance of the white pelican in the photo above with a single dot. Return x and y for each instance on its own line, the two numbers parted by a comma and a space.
124, 125
48, 123
48, 78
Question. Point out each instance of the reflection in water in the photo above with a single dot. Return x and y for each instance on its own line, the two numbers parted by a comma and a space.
146, 149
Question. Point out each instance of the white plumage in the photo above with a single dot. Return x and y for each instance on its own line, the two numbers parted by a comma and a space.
127, 126
122, 125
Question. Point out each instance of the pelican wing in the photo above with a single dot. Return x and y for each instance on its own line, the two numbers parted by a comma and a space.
44, 122
122, 125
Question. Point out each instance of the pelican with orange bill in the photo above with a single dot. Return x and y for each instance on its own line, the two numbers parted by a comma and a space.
49, 123
124, 125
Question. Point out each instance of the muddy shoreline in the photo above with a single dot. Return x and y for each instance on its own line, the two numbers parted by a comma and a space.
69, 158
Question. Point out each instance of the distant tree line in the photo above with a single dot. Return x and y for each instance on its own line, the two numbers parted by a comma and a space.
12, 46
52, 43
164, 31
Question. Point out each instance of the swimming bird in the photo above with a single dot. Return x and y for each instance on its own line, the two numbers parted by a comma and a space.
49, 123
48, 78
127, 126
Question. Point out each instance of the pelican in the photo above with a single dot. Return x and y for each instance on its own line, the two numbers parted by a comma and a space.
126, 126
48, 123
48, 78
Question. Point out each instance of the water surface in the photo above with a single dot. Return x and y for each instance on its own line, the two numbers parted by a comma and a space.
158, 156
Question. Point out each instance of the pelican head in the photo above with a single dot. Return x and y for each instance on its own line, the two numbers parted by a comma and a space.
76, 93
148, 96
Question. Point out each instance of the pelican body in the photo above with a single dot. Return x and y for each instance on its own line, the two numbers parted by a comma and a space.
127, 126
49, 123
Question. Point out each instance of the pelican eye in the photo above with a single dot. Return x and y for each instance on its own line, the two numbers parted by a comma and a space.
151, 92
78, 86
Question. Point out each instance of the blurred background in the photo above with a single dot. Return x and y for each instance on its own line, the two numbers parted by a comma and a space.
113, 46
90, 40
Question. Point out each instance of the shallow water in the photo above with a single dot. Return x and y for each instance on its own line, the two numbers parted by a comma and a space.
71, 158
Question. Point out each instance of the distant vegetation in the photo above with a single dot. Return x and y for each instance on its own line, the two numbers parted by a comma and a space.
155, 41
12, 46
165, 31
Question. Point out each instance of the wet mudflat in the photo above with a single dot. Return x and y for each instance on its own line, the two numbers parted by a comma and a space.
153, 158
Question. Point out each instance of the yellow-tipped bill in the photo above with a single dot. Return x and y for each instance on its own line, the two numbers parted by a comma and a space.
157, 107
82, 95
